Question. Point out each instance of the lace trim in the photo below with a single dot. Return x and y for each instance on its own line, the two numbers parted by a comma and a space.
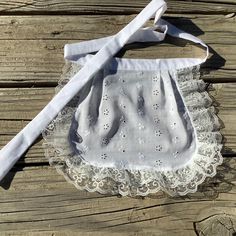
131, 182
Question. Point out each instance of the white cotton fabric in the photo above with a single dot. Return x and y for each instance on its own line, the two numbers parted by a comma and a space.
81, 152
133, 119
139, 126
128, 126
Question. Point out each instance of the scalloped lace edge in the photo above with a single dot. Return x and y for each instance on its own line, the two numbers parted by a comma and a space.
142, 182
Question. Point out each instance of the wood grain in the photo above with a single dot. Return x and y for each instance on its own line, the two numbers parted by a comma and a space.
219, 28
20, 105
31, 49
34, 199
108, 7
38, 199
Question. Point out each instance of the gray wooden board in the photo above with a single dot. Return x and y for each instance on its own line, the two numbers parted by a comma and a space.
20, 105
111, 7
31, 49
39, 199
34, 198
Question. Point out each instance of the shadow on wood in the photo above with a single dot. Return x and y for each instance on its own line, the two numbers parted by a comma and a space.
5, 183
207, 187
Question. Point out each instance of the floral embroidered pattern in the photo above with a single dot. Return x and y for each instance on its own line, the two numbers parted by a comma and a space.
155, 92
106, 126
156, 120
104, 156
158, 148
142, 182
158, 133
105, 141
141, 126
106, 112
158, 162
141, 155
155, 106
123, 135
105, 97
155, 78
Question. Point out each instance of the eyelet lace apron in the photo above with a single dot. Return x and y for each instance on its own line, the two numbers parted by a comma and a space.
127, 126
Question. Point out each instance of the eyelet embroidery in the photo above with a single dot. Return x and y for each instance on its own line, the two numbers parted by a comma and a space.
158, 162
141, 155
173, 126
106, 112
105, 97
158, 133
155, 78
105, 141
141, 140
158, 148
140, 126
156, 120
106, 126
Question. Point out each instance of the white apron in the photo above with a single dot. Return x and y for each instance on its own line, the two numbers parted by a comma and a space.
127, 126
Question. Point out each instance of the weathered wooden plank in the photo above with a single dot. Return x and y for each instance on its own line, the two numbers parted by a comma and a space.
31, 49
25, 103
39, 199
219, 28
105, 6
65, 233
19, 106
35, 155
43, 61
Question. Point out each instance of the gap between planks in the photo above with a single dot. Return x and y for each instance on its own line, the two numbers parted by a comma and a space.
18, 106
31, 49
38, 198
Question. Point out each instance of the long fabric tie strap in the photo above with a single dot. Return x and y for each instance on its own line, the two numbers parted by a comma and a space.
11, 152
79, 51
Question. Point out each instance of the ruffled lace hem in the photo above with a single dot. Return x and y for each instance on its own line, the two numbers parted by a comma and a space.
132, 182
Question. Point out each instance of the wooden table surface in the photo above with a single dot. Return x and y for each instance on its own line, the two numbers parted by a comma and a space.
34, 199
